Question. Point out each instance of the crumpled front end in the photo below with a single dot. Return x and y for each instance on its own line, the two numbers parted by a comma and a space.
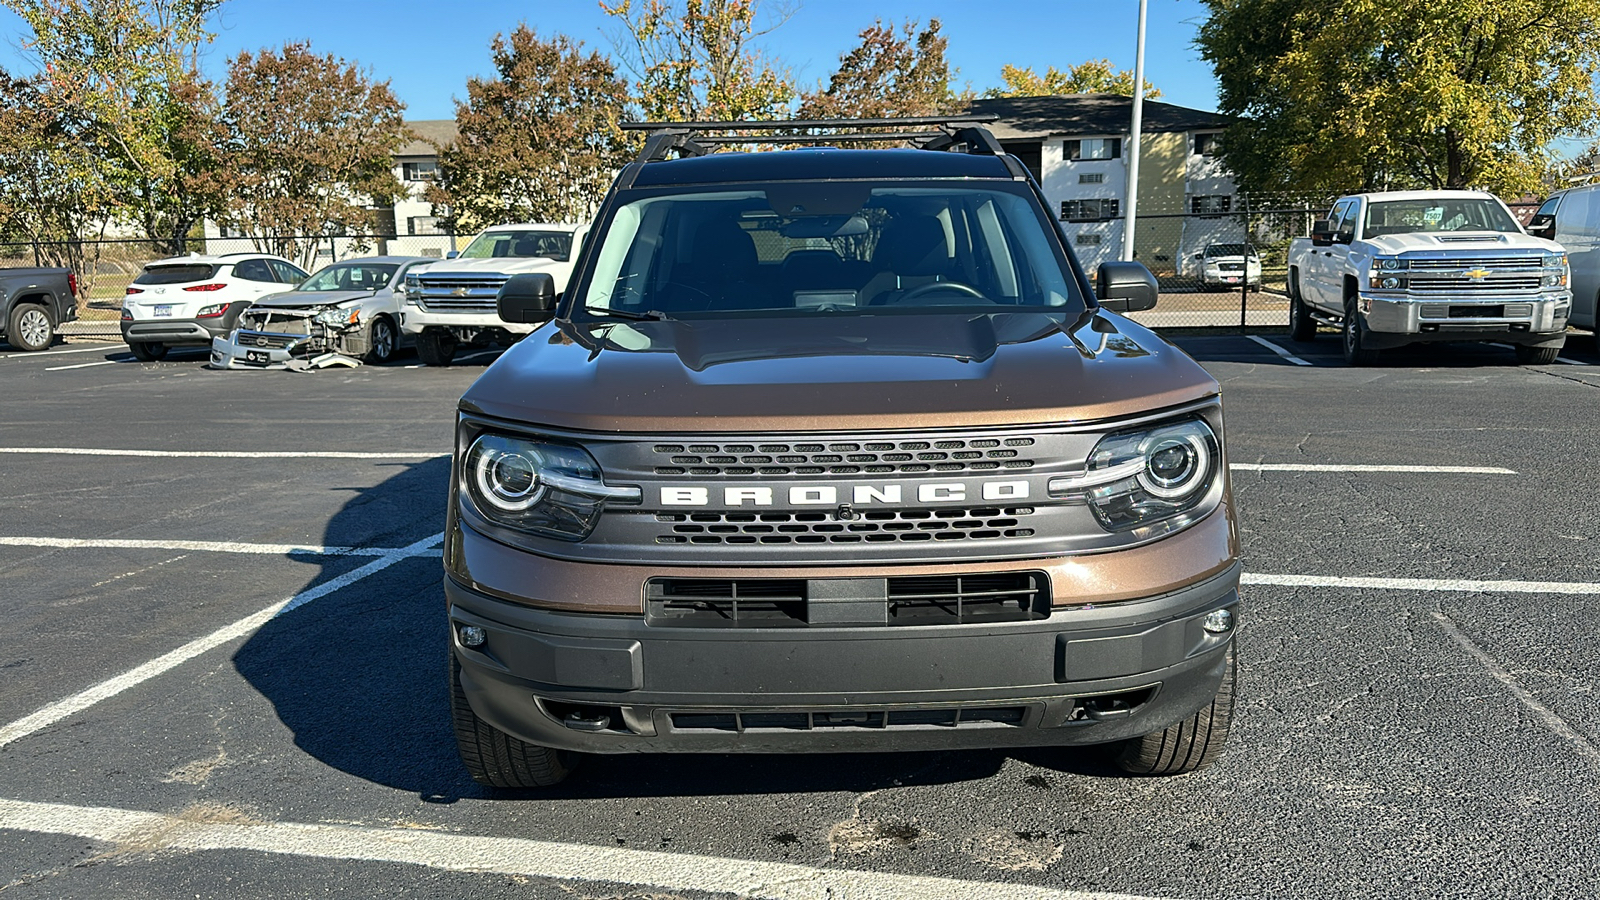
268, 338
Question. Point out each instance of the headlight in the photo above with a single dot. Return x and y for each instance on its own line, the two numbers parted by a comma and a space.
537, 486
1155, 479
337, 317
1390, 263
1558, 277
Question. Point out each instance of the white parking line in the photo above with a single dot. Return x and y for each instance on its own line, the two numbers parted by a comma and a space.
1278, 350
154, 832
204, 546
1570, 362
61, 709
1455, 585
1321, 467
103, 348
226, 454
104, 362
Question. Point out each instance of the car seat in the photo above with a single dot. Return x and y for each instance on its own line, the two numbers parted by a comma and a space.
721, 271
911, 252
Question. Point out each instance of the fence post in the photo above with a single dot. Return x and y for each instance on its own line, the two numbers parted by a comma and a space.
1244, 283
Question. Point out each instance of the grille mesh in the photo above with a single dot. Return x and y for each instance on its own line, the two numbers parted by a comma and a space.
1457, 263
262, 339
1490, 285
878, 526
887, 457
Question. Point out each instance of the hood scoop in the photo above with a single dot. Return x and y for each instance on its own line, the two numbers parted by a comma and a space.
1482, 237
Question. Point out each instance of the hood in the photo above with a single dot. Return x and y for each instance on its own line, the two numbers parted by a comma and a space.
1480, 241
494, 265
310, 299
824, 373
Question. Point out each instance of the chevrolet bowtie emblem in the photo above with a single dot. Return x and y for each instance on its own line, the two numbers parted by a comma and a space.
1478, 274
460, 292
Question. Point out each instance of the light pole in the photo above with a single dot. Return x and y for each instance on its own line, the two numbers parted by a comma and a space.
1136, 127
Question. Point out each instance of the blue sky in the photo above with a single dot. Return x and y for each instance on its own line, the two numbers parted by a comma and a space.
427, 50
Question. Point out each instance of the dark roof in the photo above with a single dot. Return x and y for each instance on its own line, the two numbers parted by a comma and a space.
820, 164
428, 132
1037, 117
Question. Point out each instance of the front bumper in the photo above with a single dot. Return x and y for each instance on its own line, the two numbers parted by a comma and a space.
1085, 675
1536, 321
414, 319
228, 353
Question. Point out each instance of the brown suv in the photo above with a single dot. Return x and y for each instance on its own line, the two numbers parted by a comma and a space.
837, 450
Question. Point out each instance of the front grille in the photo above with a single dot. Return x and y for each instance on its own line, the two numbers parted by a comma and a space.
1458, 264
1490, 285
1230, 267
460, 293
906, 600
267, 340
880, 719
876, 526
886, 457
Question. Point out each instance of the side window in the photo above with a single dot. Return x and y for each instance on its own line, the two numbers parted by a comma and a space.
253, 270
1549, 207
1346, 226
288, 274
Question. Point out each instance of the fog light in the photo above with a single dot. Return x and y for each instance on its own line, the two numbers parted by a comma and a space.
473, 636
1218, 621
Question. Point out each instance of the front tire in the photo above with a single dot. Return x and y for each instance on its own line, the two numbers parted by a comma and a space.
148, 351
1302, 327
29, 327
1537, 356
382, 340
497, 759
1190, 745
1353, 331
436, 347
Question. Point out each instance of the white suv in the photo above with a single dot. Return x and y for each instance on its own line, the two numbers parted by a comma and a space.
188, 300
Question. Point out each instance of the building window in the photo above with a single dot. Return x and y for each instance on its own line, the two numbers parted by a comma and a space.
1213, 205
1093, 148
1205, 143
1091, 178
418, 171
228, 231
1088, 240
1090, 210
423, 225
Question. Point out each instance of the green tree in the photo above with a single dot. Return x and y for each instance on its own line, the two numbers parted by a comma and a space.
126, 73
1096, 76
310, 148
889, 73
539, 142
1340, 95
694, 60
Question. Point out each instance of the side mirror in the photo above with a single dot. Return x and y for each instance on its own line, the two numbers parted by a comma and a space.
1321, 233
452, 254
1125, 287
1543, 227
529, 299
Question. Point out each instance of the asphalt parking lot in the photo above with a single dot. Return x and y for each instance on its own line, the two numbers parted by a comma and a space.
222, 664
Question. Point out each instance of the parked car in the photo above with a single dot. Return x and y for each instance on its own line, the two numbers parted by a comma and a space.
1224, 266
351, 308
837, 450
451, 305
33, 304
1395, 268
188, 301
1571, 218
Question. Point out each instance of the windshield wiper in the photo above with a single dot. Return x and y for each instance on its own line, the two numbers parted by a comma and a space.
649, 315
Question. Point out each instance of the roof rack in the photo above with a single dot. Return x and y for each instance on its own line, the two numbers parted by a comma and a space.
689, 139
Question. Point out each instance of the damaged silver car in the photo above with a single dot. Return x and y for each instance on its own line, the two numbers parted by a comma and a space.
345, 314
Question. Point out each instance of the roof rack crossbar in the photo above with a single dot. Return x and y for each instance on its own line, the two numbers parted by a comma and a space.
784, 124
718, 139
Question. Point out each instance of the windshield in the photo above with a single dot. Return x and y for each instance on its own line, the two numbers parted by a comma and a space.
1227, 250
1438, 214
554, 245
830, 248
350, 277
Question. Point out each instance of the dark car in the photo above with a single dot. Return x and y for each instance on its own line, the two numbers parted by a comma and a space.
33, 304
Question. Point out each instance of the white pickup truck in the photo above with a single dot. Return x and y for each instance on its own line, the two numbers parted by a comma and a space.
451, 304
1395, 268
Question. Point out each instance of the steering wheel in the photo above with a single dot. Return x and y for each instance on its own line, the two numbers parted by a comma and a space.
926, 289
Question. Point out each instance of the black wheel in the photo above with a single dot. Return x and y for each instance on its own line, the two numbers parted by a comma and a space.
1302, 327
29, 327
436, 347
382, 340
1190, 745
1354, 331
147, 351
1537, 356
495, 758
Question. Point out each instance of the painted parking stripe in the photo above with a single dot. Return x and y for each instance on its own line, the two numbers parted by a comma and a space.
104, 362
1278, 350
1329, 467
1570, 362
155, 832
226, 454
205, 546
111, 687
103, 348
1452, 585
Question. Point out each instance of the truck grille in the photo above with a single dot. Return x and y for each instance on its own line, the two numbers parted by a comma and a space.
887, 457
1492, 284
1485, 311
876, 526
460, 293
1456, 263
907, 600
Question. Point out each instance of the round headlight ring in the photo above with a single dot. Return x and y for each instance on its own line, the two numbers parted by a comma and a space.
1391, 264
1175, 466
508, 480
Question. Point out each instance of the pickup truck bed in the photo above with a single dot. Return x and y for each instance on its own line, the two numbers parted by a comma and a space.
33, 304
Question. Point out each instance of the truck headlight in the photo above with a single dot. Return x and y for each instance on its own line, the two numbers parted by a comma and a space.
1390, 263
535, 486
1555, 274
1155, 479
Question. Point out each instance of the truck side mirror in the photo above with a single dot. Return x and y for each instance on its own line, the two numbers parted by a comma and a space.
529, 298
1125, 287
1321, 233
452, 254
1543, 227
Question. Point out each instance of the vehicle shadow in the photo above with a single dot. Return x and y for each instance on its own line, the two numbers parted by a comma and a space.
359, 678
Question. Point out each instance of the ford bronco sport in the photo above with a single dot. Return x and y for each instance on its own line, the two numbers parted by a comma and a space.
837, 450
